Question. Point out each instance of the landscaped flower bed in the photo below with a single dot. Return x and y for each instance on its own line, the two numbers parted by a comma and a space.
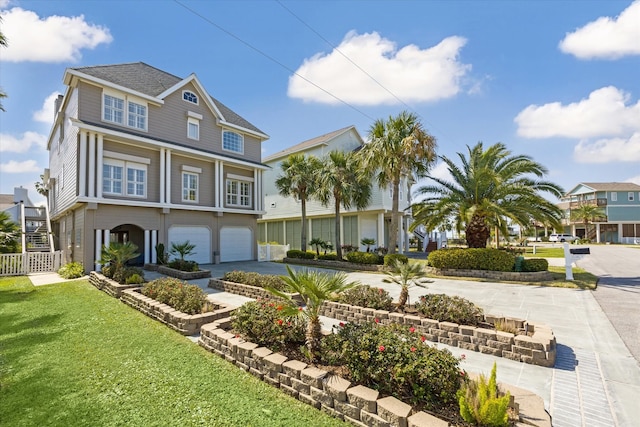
255, 292
111, 287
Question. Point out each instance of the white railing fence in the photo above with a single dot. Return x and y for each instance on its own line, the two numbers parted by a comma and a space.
272, 252
30, 262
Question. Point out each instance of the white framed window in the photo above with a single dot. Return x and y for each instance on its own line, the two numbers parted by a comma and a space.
193, 128
137, 116
121, 177
112, 176
631, 196
113, 109
189, 96
238, 193
614, 196
190, 187
232, 141
136, 180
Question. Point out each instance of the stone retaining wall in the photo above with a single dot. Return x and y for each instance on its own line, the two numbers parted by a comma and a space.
335, 264
505, 276
107, 285
183, 275
538, 349
186, 324
254, 292
330, 393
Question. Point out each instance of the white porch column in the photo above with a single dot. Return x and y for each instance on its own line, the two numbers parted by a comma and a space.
598, 233
82, 173
400, 235
216, 184
163, 174
154, 243
97, 266
256, 188
220, 185
92, 164
381, 241
147, 246
100, 165
168, 178
107, 238
405, 227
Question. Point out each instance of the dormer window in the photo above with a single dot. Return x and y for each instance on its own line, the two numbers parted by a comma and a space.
190, 97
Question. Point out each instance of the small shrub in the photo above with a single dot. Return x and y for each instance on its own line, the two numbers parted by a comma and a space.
535, 264
184, 265
328, 257
367, 296
349, 248
73, 270
255, 279
134, 279
176, 293
473, 259
392, 259
445, 308
363, 258
394, 360
161, 254
481, 403
263, 322
296, 253
121, 275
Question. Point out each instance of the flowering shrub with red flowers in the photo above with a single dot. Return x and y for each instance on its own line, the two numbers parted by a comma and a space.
263, 322
395, 361
367, 296
176, 293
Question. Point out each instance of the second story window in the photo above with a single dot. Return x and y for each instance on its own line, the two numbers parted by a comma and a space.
232, 141
124, 178
190, 97
137, 116
193, 128
189, 187
124, 111
614, 197
113, 109
238, 193
631, 196
136, 180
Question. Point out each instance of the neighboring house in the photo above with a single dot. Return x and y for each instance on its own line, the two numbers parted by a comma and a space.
281, 223
138, 154
35, 227
620, 205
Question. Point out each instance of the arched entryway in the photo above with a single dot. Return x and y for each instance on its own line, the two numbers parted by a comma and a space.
129, 233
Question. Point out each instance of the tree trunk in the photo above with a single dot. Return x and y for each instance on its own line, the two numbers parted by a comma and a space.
313, 336
337, 237
477, 232
303, 229
402, 299
393, 228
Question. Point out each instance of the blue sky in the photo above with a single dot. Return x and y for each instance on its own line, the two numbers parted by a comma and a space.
556, 80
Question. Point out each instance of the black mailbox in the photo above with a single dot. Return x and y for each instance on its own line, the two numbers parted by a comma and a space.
580, 251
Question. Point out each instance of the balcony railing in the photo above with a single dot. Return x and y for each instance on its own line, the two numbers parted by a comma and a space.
600, 202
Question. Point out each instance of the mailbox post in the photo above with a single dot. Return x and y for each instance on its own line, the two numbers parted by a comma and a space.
572, 255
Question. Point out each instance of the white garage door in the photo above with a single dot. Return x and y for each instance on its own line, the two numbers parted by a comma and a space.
199, 236
236, 244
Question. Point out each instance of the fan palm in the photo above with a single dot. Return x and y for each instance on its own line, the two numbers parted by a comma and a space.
9, 234
314, 288
183, 249
399, 148
586, 213
343, 182
490, 186
298, 179
405, 275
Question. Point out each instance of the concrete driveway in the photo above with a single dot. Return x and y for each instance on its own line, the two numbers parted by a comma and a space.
618, 292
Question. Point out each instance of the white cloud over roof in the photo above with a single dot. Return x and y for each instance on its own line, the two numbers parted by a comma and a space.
46, 113
410, 73
50, 39
26, 166
606, 38
604, 113
609, 150
11, 144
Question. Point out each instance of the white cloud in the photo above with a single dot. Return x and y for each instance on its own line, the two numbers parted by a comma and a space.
635, 179
609, 150
606, 38
604, 113
9, 143
13, 166
410, 73
4, 3
50, 39
46, 113
441, 171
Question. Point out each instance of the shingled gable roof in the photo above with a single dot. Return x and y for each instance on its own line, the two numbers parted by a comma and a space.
310, 143
608, 186
151, 81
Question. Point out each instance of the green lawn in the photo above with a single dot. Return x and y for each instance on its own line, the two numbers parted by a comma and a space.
72, 356
544, 252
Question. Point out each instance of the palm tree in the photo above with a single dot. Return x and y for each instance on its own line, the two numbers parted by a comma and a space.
343, 181
299, 180
314, 289
9, 234
405, 275
318, 243
368, 242
116, 256
490, 186
399, 148
586, 213
182, 249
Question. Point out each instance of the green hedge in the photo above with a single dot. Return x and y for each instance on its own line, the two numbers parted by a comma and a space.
395, 258
472, 259
328, 257
364, 258
535, 264
296, 253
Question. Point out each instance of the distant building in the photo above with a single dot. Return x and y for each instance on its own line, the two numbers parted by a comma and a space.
620, 206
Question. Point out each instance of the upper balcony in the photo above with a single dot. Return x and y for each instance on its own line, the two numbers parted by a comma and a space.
599, 202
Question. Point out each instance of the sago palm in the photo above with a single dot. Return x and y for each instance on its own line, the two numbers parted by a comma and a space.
405, 275
314, 288
298, 179
488, 187
399, 148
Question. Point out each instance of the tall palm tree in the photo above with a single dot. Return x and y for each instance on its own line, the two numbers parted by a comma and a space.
586, 213
399, 148
405, 275
490, 185
344, 182
298, 179
314, 288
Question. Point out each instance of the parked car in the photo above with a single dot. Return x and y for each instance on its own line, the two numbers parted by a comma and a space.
557, 237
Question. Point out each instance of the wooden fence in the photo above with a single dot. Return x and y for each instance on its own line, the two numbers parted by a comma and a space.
30, 262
